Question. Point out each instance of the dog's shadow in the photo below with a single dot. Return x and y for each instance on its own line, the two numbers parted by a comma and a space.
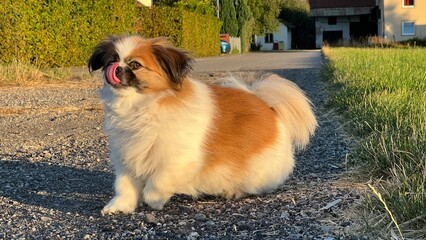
64, 188
52, 186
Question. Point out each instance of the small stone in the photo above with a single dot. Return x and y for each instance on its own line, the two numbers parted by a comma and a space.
285, 215
314, 175
47, 154
185, 208
331, 204
345, 224
45, 219
325, 229
43, 193
87, 236
64, 153
151, 218
182, 223
209, 223
295, 236
193, 235
200, 217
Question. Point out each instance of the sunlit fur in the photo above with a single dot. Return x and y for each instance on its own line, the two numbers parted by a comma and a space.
172, 134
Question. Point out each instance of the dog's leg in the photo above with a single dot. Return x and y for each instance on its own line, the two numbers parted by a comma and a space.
154, 196
126, 195
161, 186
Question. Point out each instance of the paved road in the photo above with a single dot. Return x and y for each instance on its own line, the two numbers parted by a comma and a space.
260, 61
55, 175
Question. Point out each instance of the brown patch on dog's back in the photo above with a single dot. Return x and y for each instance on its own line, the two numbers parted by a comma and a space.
243, 126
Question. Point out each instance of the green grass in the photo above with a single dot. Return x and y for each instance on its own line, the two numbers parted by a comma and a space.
382, 93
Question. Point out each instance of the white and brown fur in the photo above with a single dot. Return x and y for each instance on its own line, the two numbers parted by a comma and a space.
170, 134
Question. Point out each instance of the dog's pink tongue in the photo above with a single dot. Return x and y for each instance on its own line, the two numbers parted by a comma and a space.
110, 74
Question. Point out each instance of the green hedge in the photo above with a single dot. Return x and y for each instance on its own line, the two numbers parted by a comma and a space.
191, 31
160, 21
60, 33
57, 33
201, 34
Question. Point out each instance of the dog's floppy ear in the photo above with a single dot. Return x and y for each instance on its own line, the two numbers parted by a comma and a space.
103, 54
175, 63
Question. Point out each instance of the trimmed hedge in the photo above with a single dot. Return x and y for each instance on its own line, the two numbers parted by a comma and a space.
159, 22
196, 33
60, 33
56, 33
201, 34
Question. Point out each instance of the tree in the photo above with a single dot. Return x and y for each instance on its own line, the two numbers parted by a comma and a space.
228, 16
296, 12
243, 13
244, 17
265, 13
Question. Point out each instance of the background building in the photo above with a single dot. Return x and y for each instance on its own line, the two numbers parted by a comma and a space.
281, 39
402, 19
343, 20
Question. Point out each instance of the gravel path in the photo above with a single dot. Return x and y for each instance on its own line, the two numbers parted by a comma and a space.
55, 177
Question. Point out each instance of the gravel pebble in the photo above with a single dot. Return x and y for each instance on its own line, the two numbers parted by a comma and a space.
151, 218
200, 217
56, 177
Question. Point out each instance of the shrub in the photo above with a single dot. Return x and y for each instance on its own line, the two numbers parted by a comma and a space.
191, 31
59, 33
415, 42
235, 51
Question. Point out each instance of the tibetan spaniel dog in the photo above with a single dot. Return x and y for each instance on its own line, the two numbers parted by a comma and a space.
170, 134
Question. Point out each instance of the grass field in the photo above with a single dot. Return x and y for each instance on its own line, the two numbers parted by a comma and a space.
382, 93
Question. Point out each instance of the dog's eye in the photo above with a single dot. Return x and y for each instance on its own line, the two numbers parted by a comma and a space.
134, 65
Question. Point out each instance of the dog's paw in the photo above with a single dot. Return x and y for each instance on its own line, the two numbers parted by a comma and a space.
119, 205
233, 194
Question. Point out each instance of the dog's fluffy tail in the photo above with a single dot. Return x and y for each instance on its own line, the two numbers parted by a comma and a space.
291, 106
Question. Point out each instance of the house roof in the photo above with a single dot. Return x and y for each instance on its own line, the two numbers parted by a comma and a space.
341, 3
326, 8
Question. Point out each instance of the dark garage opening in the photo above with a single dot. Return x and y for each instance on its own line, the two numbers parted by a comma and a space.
332, 37
363, 29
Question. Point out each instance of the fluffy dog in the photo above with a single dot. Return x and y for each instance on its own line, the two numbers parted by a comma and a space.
170, 134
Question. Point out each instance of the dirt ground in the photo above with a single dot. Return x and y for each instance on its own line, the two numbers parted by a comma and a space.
55, 175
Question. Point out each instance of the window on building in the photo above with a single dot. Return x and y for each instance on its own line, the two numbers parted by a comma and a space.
269, 38
408, 3
408, 28
332, 20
